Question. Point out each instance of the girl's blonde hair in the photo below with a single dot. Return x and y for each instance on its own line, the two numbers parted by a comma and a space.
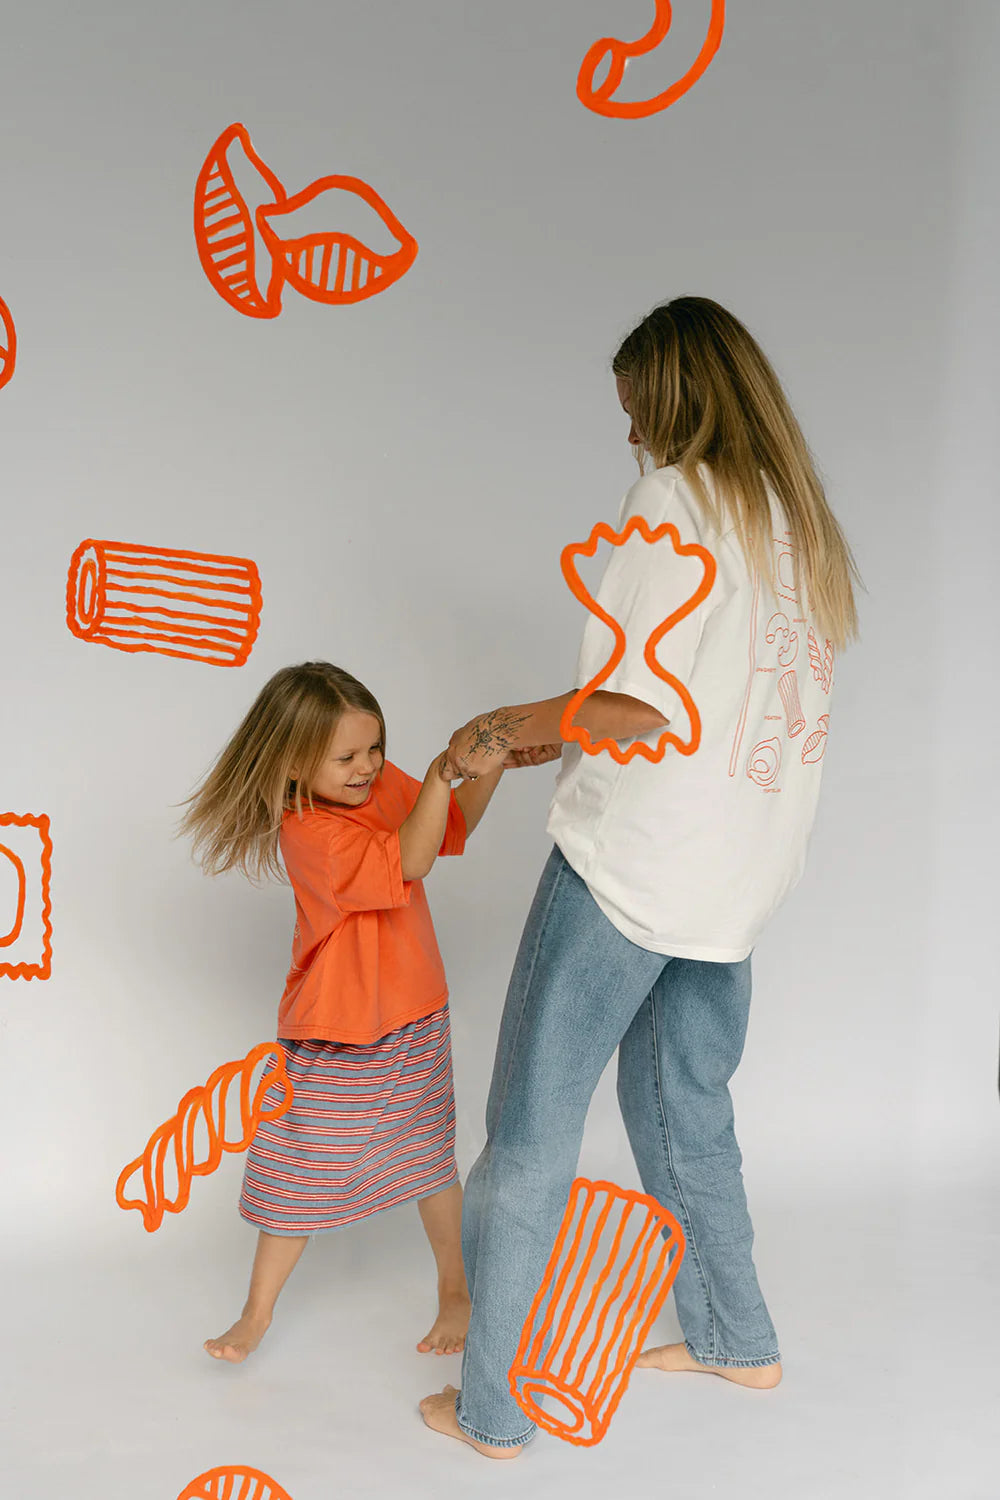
235, 815
703, 392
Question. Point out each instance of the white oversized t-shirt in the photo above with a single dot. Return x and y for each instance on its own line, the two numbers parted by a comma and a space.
690, 856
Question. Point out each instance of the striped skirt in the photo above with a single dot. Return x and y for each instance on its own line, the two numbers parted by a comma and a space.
369, 1127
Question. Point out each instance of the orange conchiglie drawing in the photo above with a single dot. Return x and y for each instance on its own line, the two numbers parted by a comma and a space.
25, 899
814, 746
197, 605
233, 1482
617, 55
333, 266
208, 1103
8, 344
567, 729
596, 1324
224, 229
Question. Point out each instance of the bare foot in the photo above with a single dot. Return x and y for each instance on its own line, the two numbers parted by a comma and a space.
438, 1412
240, 1340
676, 1357
450, 1327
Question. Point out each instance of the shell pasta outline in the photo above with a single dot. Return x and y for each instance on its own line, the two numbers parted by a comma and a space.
205, 1101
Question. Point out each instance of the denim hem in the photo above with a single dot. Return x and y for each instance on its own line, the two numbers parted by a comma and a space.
732, 1364
492, 1442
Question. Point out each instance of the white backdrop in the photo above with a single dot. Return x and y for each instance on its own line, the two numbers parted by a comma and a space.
404, 472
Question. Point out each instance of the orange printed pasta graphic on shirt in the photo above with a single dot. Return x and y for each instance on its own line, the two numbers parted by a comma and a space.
617, 54
594, 1326
25, 901
196, 605
204, 1104
233, 1482
8, 344
567, 729
249, 255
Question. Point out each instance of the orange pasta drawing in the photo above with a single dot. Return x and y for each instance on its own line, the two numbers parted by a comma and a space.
814, 746
567, 729
207, 1103
8, 344
764, 762
583, 1334
777, 626
25, 897
821, 662
233, 1482
195, 605
224, 231
788, 690
617, 55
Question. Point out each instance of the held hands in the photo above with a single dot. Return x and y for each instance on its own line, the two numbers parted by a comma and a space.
534, 755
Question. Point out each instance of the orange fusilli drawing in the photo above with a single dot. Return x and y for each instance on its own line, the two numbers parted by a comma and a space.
205, 1102
788, 689
196, 605
567, 729
224, 228
233, 1482
617, 55
8, 344
821, 662
25, 898
582, 1337
814, 746
764, 762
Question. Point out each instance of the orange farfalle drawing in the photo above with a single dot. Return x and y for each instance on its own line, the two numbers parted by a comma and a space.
196, 605
603, 532
617, 54
176, 1136
25, 898
224, 231
8, 344
233, 1482
582, 1336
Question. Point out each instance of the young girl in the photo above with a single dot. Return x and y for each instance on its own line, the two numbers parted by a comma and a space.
364, 1017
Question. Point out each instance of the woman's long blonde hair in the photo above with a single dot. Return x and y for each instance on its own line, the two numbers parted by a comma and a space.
702, 391
235, 815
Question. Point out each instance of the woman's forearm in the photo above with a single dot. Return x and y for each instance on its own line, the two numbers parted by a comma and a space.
613, 716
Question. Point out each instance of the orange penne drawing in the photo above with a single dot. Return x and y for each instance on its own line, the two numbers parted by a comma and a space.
233, 1482
617, 55
583, 1334
8, 344
25, 898
567, 729
196, 605
224, 229
176, 1136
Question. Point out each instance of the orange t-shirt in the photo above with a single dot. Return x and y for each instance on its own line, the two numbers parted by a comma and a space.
364, 956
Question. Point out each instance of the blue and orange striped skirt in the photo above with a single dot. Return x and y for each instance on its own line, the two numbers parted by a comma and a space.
369, 1127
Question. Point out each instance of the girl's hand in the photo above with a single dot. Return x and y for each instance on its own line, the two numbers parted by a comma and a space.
446, 770
535, 755
483, 744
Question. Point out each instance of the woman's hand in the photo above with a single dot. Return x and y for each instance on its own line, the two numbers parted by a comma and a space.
534, 755
482, 745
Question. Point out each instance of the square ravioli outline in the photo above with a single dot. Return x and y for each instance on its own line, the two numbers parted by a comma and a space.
41, 970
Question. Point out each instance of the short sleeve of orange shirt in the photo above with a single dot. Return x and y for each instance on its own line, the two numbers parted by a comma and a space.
365, 959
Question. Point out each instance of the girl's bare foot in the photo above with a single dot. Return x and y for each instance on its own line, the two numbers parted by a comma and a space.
240, 1340
438, 1412
451, 1325
676, 1357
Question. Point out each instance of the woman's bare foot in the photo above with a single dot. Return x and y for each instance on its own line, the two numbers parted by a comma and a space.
676, 1357
451, 1325
240, 1340
438, 1412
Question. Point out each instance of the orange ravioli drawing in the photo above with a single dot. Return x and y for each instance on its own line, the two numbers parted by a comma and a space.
197, 605
223, 229
207, 1102
233, 1482
617, 54
8, 344
603, 532
596, 1327
25, 897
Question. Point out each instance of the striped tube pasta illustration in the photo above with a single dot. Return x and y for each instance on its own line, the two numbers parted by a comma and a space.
333, 265
196, 605
599, 96
788, 691
207, 1105
8, 344
233, 1482
602, 1290
25, 901
224, 227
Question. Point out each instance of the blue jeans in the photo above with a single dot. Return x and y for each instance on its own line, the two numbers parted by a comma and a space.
578, 990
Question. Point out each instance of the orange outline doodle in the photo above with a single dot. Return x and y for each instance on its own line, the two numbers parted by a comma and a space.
764, 762
789, 650
178, 1132
233, 1482
42, 968
590, 1393
788, 691
814, 748
599, 99
223, 229
8, 351
127, 597
570, 732
821, 662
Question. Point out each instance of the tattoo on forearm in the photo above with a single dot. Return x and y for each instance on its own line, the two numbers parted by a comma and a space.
496, 732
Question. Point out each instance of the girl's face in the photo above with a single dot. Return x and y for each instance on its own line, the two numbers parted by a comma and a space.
353, 760
624, 388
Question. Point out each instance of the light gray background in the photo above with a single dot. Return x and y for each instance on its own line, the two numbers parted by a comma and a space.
405, 472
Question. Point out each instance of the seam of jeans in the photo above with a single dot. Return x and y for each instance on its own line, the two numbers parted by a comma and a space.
484, 1437
733, 1364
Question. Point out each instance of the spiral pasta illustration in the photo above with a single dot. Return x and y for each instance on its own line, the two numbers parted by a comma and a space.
8, 344
25, 897
821, 662
617, 55
175, 1137
233, 1482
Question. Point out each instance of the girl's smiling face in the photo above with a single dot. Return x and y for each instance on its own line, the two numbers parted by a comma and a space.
353, 759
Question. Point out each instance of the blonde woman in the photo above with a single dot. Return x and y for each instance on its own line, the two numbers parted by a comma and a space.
663, 874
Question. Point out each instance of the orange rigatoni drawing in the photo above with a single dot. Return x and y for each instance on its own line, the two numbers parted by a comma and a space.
196, 605
8, 344
25, 899
582, 1337
233, 1482
206, 1102
617, 55
567, 729
223, 229
788, 691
